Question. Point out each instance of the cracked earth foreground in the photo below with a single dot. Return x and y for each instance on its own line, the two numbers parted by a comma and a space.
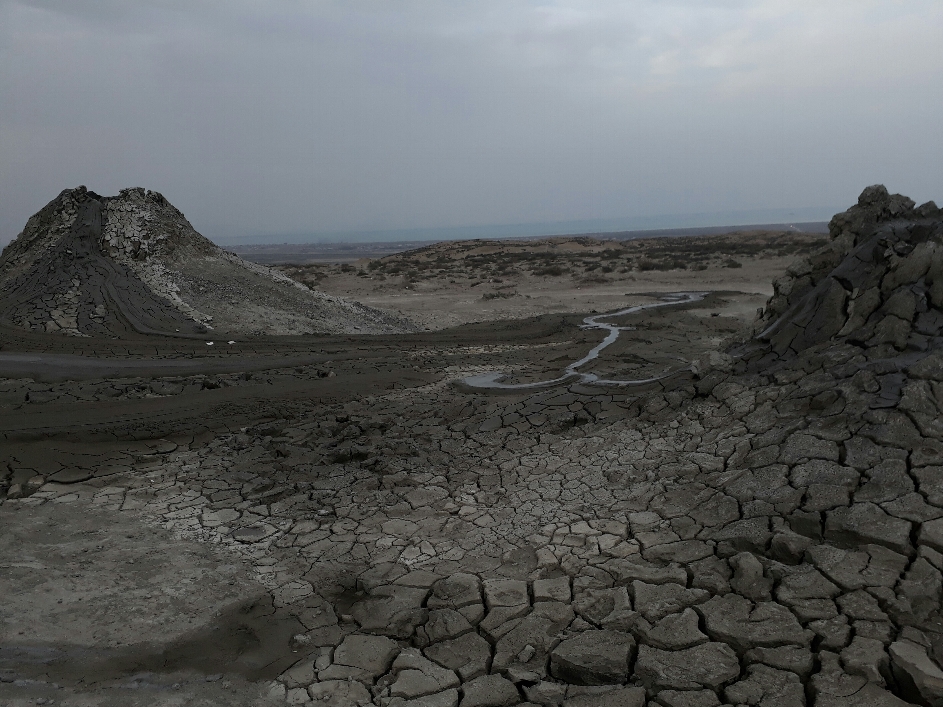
746, 534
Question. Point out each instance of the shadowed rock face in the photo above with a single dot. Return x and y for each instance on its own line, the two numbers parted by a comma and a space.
89, 265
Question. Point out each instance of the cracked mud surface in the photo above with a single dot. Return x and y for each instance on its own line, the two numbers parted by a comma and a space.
766, 530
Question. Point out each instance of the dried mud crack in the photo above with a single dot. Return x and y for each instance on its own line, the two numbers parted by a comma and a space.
352, 529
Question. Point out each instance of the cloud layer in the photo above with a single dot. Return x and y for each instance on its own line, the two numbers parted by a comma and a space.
292, 115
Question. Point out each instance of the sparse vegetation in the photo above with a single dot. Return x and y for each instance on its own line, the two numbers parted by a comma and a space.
587, 260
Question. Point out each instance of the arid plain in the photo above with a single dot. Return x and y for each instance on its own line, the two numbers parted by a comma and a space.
748, 512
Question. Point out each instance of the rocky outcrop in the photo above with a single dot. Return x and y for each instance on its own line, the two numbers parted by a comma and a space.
92, 265
878, 284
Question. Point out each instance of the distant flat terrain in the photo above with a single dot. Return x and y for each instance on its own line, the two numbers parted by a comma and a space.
447, 284
300, 253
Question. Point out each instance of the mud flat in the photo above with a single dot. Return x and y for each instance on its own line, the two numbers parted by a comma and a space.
448, 284
355, 529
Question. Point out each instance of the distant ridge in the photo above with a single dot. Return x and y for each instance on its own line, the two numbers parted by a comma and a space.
347, 252
725, 219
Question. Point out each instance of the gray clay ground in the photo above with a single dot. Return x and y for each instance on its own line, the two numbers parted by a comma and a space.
764, 529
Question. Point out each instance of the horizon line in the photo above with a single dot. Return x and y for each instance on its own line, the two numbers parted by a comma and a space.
662, 222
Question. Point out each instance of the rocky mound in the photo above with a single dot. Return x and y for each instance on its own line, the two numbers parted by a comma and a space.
878, 286
92, 265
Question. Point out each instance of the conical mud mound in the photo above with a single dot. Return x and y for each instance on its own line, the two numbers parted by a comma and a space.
90, 265
878, 286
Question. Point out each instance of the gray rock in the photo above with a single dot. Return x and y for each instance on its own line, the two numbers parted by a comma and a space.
792, 658
748, 579
489, 691
502, 619
867, 657
832, 687
469, 655
361, 657
808, 593
595, 605
626, 571
688, 698
833, 634
930, 482
301, 674
555, 589
391, 610
673, 632
339, 693
747, 535
505, 592
540, 630
655, 601
918, 594
417, 676
593, 658
871, 566
683, 551
861, 453
824, 497
887, 481
444, 624
865, 523
608, 608
456, 591
767, 687
931, 533
712, 574
591, 578
546, 693
449, 698
735, 620
709, 665
620, 697
883, 631
861, 605
801, 446
920, 678
420, 579
912, 507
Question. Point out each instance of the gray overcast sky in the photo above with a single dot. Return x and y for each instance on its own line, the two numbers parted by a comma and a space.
310, 116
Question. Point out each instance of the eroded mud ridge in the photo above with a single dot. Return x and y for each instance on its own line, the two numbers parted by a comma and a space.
766, 530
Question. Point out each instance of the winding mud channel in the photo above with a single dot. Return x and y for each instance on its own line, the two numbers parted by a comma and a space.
492, 381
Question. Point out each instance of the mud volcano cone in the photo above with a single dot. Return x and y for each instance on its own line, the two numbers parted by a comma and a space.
89, 265
878, 286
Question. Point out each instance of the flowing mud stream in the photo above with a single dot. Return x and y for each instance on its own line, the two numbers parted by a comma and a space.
570, 374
